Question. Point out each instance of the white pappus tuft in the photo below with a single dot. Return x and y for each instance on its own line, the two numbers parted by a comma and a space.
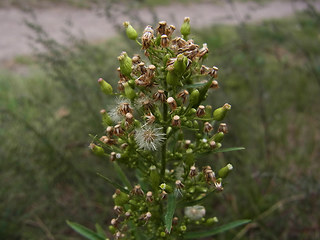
149, 138
121, 108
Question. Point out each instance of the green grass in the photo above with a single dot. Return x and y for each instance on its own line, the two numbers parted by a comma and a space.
269, 73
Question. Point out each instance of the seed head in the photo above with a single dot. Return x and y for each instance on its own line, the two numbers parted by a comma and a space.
207, 127
176, 122
201, 111
159, 95
164, 42
149, 138
223, 128
172, 103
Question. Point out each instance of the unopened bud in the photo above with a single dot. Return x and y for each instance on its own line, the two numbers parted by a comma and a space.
223, 172
106, 120
125, 64
129, 92
105, 87
97, 150
218, 137
180, 65
194, 98
221, 112
185, 27
172, 78
130, 31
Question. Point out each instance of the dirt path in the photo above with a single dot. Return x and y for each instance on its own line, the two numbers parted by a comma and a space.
94, 26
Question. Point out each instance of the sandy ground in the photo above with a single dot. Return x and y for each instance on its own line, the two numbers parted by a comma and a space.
93, 24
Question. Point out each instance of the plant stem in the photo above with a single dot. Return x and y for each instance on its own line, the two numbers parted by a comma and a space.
164, 145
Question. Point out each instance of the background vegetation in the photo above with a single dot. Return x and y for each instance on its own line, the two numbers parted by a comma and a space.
269, 72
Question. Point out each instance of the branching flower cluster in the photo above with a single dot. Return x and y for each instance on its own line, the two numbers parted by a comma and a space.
158, 128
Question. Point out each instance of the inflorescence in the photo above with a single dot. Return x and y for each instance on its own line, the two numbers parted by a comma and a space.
158, 127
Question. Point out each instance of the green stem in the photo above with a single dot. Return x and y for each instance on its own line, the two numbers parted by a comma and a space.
164, 145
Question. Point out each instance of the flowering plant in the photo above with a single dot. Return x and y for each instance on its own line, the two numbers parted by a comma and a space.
158, 128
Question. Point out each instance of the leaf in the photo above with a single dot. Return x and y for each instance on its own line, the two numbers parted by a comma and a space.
122, 176
171, 207
100, 231
217, 230
85, 232
114, 184
229, 149
195, 85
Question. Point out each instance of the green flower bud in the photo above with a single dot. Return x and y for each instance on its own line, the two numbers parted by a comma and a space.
154, 177
180, 65
112, 229
169, 129
189, 158
223, 172
99, 151
132, 83
163, 234
183, 228
106, 120
105, 87
130, 31
208, 111
218, 137
129, 92
194, 98
120, 198
172, 78
185, 27
195, 124
137, 123
212, 220
221, 112
125, 64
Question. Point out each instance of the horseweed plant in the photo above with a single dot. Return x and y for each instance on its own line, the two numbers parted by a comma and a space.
158, 127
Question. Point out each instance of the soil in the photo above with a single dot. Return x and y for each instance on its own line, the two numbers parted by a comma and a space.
94, 25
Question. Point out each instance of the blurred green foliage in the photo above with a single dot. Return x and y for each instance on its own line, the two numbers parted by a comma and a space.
269, 72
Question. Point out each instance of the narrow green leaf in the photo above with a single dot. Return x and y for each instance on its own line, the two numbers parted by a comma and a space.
217, 230
85, 232
114, 184
100, 231
195, 85
171, 207
122, 176
229, 149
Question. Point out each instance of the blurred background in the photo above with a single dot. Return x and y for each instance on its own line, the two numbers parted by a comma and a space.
53, 51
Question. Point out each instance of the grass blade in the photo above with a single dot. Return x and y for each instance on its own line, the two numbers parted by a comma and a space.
85, 232
217, 230
229, 149
100, 231
171, 207
114, 184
